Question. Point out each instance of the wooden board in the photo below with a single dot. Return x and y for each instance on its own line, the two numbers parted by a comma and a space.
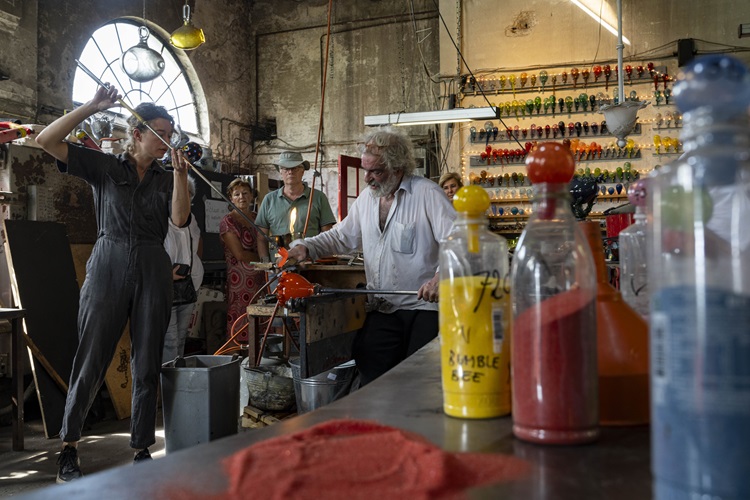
117, 378
44, 283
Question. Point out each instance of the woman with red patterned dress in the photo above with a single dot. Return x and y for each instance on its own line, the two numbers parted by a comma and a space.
240, 240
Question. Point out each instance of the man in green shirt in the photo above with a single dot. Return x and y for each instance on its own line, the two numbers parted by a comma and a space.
274, 215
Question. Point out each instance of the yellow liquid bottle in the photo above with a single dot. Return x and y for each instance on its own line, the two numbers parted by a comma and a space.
474, 313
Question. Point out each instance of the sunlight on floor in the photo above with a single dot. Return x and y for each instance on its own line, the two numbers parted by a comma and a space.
19, 475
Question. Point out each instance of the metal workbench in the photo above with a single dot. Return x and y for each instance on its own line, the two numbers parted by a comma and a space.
408, 397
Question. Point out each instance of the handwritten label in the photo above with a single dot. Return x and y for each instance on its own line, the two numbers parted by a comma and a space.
500, 286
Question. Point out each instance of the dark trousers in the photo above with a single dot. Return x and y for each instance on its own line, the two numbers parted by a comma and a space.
123, 281
387, 339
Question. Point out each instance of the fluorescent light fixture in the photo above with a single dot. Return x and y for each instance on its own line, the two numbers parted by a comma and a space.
432, 117
599, 20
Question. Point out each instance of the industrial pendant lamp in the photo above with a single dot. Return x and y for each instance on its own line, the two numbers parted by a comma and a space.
621, 117
187, 36
140, 62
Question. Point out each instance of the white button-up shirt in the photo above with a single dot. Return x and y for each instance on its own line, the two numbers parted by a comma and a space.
404, 255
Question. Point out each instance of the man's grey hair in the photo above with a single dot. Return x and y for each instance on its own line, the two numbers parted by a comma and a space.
392, 146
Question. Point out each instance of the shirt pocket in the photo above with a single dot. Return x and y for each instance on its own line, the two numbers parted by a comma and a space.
403, 237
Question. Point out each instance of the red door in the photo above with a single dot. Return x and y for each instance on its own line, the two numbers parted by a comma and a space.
351, 182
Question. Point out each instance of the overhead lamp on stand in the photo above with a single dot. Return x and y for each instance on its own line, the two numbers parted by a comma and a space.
621, 117
187, 36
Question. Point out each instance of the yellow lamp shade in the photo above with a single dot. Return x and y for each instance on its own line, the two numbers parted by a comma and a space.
187, 36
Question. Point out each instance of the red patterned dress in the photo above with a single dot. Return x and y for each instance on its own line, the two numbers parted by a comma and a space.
242, 280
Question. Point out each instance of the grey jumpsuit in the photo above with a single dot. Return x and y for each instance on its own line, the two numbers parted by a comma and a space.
127, 276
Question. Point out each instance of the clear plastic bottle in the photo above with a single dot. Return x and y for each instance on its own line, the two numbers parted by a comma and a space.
700, 302
634, 253
474, 313
553, 284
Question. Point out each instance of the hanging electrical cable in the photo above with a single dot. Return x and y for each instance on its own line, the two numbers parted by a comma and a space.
320, 120
468, 68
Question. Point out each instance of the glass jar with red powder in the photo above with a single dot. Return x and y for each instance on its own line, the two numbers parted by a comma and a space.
553, 289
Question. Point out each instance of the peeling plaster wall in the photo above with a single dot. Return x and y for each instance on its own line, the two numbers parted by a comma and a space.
374, 67
18, 25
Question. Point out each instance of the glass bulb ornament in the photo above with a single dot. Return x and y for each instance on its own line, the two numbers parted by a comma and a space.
543, 76
597, 72
101, 126
607, 75
187, 36
140, 62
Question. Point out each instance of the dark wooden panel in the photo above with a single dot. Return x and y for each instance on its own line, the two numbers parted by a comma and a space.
44, 282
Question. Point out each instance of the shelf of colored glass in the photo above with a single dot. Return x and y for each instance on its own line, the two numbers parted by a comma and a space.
611, 196
510, 200
477, 161
508, 217
656, 128
548, 114
504, 138
671, 153
494, 89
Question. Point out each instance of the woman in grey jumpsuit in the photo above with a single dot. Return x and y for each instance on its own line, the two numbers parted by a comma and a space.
128, 275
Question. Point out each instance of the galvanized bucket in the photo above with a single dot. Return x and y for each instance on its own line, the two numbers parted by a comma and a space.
322, 389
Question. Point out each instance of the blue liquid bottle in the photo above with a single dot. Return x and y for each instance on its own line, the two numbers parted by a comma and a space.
699, 273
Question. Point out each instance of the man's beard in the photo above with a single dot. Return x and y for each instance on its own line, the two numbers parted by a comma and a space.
385, 188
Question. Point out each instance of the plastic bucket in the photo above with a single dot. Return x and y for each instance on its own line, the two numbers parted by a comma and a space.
322, 389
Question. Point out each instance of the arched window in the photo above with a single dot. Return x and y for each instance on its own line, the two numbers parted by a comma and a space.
172, 89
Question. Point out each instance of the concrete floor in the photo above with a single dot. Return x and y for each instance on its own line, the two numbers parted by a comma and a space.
104, 445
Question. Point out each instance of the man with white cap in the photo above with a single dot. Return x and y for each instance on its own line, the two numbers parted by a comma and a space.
274, 214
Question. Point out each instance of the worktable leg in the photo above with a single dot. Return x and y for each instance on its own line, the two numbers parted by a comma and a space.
17, 350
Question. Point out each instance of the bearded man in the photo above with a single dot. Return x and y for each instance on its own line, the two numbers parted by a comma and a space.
398, 223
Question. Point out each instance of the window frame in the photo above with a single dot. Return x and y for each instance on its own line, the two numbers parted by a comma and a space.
108, 69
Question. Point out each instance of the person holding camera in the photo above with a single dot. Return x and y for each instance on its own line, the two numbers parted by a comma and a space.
185, 247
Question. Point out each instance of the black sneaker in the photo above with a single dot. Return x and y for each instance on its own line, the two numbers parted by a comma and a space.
70, 465
142, 456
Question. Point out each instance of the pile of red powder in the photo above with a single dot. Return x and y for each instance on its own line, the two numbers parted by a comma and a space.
352, 459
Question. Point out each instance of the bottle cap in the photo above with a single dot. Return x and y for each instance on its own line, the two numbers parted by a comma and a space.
550, 162
471, 200
637, 192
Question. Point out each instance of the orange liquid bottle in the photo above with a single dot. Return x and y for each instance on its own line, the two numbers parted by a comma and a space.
622, 345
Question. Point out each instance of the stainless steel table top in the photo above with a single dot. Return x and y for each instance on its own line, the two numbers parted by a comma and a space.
408, 397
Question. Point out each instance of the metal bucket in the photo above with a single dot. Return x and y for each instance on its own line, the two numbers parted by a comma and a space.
270, 387
322, 389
